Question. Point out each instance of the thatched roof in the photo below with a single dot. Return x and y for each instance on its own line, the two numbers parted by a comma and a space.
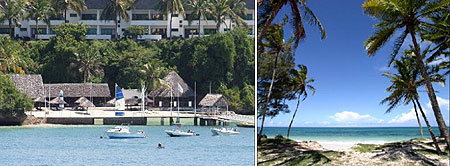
39, 100
214, 100
79, 89
173, 80
80, 100
57, 100
31, 85
86, 103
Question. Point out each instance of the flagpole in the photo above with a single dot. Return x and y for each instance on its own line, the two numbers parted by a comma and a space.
178, 104
195, 99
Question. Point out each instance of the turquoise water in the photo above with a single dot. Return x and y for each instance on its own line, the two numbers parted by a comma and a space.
356, 134
81, 145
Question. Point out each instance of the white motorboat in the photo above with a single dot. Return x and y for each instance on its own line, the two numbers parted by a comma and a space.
227, 131
124, 132
181, 133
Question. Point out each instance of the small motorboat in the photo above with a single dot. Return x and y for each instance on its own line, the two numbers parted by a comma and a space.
181, 133
246, 124
123, 131
227, 131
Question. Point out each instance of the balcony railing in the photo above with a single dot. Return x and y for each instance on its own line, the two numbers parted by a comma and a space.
150, 37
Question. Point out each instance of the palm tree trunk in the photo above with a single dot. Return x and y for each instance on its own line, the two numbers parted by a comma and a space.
418, 120
11, 31
269, 21
218, 24
430, 90
65, 15
293, 116
268, 98
429, 128
84, 75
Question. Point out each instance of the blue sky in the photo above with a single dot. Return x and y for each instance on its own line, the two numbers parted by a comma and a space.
349, 85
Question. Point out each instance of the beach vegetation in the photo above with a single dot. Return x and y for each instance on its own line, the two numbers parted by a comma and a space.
364, 148
404, 87
407, 17
116, 9
61, 6
268, 10
224, 62
13, 103
172, 7
135, 31
300, 84
198, 12
12, 11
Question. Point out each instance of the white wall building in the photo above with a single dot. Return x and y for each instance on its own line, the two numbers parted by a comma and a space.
144, 14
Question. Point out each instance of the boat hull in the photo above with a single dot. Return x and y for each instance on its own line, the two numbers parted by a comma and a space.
225, 132
180, 134
124, 135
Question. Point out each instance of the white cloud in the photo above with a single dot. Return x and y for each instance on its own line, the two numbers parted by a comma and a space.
307, 122
443, 103
405, 117
352, 117
384, 69
325, 123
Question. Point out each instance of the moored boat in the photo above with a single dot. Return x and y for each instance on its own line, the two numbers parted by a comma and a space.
227, 131
181, 133
123, 131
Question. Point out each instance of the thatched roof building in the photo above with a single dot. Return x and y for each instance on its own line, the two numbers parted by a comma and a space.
77, 90
57, 100
31, 85
214, 100
173, 80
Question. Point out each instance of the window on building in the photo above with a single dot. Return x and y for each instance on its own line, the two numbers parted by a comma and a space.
73, 15
250, 31
209, 31
209, 17
107, 31
52, 32
140, 17
158, 31
175, 15
40, 31
4, 30
248, 17
174, 29
226, 29
89, 17
92, 31
157, 16
23, 29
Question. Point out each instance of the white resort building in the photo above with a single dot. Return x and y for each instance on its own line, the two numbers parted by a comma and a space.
144, 14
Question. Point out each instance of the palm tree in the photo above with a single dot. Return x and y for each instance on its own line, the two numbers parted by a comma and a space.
152, 72
198, 8
275, 45
38, 10
270, 8
222, 9
12, 11
408, 16
61, 6
116, 9
170, 6
11, 59
87, 61
404, 88
300, 84
438, 32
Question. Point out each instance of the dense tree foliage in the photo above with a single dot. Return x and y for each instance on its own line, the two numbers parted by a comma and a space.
13, 103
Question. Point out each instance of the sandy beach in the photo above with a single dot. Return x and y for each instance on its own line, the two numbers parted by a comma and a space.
281, 151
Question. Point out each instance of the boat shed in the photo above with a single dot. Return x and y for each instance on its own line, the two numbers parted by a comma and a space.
214, 102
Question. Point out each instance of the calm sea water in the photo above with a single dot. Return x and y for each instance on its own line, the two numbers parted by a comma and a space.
81, 145
348, 134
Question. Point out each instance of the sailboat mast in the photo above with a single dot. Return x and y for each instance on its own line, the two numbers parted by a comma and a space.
171, 100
